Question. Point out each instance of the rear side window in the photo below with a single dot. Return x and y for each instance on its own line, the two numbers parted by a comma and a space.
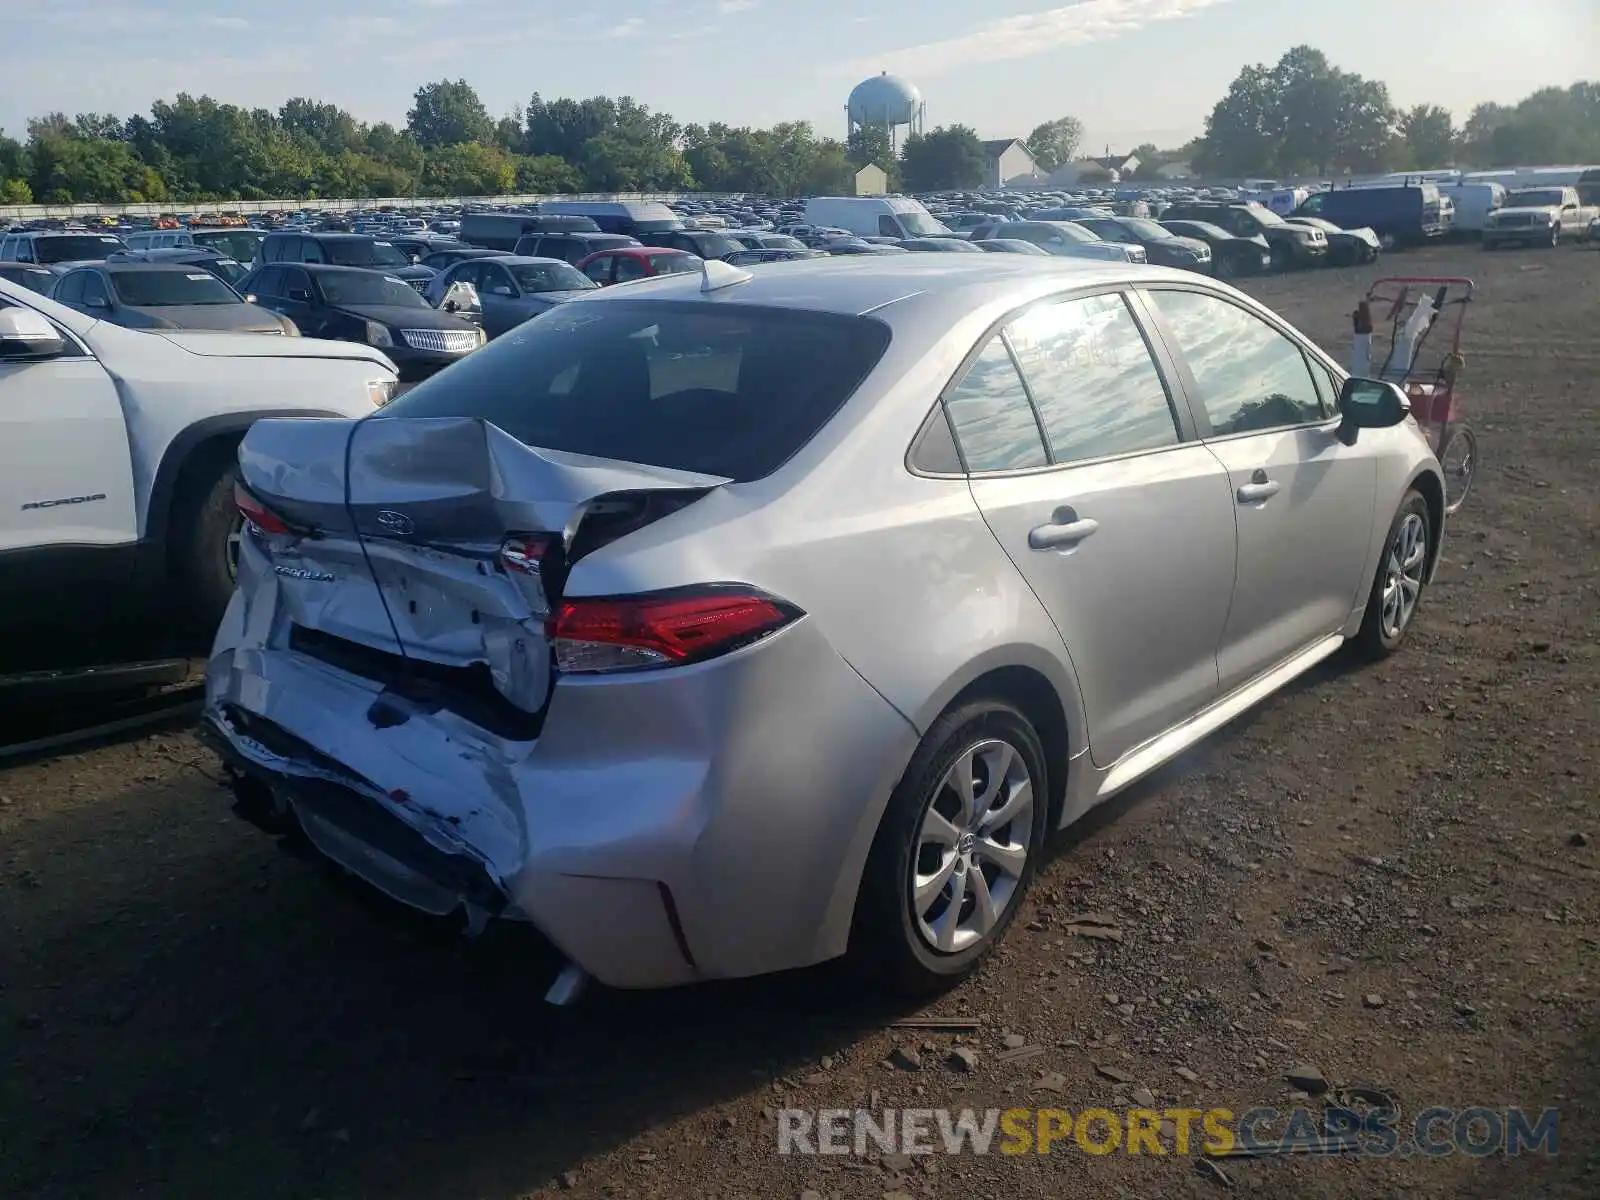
721, 389
993, 420
1097, 388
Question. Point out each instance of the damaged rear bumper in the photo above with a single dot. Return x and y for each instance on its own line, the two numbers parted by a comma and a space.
710, 821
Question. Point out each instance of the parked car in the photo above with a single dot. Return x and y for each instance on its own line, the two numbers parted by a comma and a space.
572, 247
939, 245
240, 243
743, 258
1011, 246
851, 246
440, 260
1346, 247
229, 270
345, 250
627, 263
1062, 238
503, 232
1409, 215
1538, 216
1291, 245
357, 305
780, 655
758, 239
37, 279
1231, 254
513, 289
1162, 247
117, 464
145, 295
43, 248
702, 243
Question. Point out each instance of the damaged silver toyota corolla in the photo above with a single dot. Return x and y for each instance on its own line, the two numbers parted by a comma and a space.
720, 623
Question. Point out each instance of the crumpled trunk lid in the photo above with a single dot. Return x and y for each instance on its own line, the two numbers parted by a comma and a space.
396, 569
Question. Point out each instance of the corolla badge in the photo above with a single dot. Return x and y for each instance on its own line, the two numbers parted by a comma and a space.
396, 523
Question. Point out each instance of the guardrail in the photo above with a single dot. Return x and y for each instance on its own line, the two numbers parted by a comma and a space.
29, 212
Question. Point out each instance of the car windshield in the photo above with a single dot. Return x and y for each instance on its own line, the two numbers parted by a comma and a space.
1148, 230
712, 245
779, 241
728, 390
1265, 215
1317, 223
1202, 229
920, 224
1072, 231
1535, 198
360, 289
239, 244
674, 264
230, 271
362, 253
75, 247
163, 289
551, 277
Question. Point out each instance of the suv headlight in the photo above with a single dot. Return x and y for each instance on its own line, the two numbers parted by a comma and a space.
1136, 254
378, 335
380, 391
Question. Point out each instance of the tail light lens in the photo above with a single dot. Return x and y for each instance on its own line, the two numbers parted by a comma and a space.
662, 629
258, 514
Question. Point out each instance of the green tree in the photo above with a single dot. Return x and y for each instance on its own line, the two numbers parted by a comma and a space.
468, 169
15, 191
949, 157
448, 113
1055, 143
1429, 133
545, 174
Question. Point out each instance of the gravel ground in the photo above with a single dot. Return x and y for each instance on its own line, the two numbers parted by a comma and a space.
1387, 874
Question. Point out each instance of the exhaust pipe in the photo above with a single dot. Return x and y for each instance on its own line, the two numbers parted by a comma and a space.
568, 987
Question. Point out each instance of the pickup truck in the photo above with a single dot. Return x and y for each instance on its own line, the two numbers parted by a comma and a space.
1540, 216
118, 451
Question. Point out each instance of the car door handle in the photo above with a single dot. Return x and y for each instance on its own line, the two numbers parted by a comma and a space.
1258, 489
1065, 528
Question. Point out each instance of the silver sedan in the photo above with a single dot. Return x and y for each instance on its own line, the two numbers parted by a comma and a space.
730, 621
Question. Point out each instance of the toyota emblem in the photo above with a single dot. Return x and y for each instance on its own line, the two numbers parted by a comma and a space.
396, 523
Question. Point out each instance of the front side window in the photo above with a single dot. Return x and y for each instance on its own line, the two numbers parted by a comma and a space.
628, 268
992, 417
94, 291
1097, 388
672, 264
70, 289
1251, 377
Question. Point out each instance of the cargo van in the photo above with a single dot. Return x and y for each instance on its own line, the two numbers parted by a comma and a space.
618, 216
1474, 202
874, 216
502, 230
1400, 216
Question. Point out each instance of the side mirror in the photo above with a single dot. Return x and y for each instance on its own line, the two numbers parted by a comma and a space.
97, 302
1370, 404
415, 259
300, 295
250, 298
27, 334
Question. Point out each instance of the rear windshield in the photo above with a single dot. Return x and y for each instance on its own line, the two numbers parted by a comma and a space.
237, 244
75, 247
1536, 198
363, 290
161, 289
720, 389
360, 253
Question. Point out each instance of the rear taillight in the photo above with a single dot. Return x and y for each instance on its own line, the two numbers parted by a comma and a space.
258, 514
663, 629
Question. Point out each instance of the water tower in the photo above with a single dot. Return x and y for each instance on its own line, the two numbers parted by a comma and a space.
884, 102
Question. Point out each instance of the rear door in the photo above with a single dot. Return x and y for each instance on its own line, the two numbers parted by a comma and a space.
1303, 501
1084, 462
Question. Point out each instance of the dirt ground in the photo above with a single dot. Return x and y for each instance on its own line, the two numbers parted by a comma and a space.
1389, 874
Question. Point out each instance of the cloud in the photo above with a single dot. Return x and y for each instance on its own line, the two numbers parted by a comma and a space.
632, 27
1027, 34
225, 22
728, 7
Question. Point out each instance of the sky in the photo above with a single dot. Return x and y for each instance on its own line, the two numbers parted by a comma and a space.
1131, 70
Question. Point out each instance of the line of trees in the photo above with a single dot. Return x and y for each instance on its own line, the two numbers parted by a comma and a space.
1304, 116
1300, 116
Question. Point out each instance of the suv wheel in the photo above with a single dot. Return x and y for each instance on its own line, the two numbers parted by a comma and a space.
206, 545
956, 851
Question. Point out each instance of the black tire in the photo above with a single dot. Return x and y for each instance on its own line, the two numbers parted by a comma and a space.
1555, 236
886, 941
1373, 641
202, 528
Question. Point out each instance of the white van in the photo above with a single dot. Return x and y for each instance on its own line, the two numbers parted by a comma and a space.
874, 216
1474, 203
1285, 200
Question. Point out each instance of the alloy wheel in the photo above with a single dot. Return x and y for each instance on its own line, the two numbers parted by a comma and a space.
972, 846
1404, 566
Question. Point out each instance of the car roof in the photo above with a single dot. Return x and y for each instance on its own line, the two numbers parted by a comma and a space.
644, 251
520, 260
326, 268
145, 267
854, 285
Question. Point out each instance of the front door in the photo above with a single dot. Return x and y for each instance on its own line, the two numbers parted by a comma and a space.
498, 295
1304, 501
1083, 467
